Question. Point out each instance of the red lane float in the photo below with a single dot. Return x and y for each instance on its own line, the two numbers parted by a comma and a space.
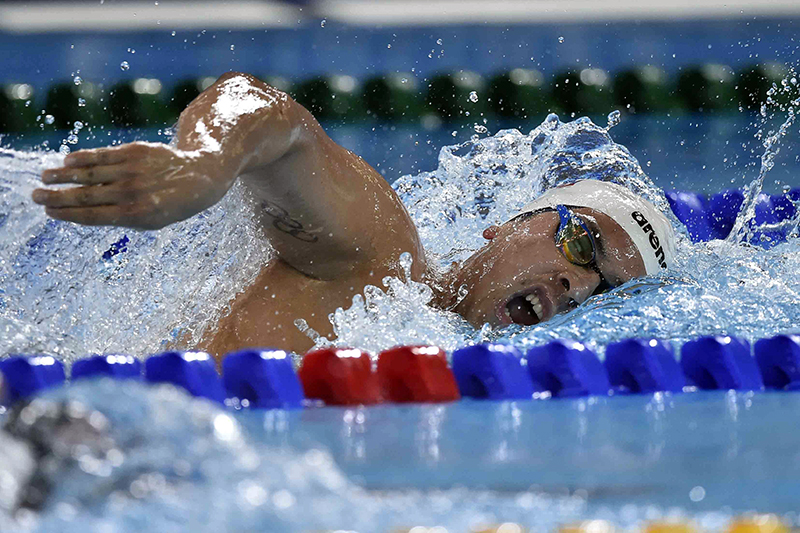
339, 376
416, 374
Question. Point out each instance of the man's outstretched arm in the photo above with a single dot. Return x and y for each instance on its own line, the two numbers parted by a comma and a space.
326, 212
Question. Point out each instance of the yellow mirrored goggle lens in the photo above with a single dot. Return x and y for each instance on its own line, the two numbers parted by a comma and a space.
576, 244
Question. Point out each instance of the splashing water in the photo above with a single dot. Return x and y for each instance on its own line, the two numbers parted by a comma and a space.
62, 293
720, 287
58, 295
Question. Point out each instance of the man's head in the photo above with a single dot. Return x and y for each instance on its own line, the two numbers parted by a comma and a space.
527, 272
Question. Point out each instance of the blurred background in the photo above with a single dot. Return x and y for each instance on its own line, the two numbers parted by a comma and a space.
395, 80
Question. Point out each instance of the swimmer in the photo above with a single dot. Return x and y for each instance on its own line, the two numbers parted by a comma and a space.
336, 225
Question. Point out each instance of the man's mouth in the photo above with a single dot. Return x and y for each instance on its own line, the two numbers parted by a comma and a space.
526, 308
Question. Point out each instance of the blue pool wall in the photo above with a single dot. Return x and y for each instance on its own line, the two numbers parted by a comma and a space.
310, 49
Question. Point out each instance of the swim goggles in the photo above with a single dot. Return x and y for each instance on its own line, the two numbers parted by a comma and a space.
575, 241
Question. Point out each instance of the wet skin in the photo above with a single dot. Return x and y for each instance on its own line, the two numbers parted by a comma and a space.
333, 221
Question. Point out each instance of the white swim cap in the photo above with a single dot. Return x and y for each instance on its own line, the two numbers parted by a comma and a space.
648, 228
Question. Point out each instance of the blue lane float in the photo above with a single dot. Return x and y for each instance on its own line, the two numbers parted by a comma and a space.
114, 366
720, 363
265, 379
778, 359
643, 366
713, 218
567, 368
722, 211
25, 376
493, 372
194, 371
691, 209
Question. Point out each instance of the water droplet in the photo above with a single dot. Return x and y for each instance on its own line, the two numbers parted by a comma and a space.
439, 42
233, 47
77, 80
72, 138
405, 261
561, 39
697, 494
480, 128
174, 33
78, 125
49, 119
473, 96
131, 50
389, 45
64, 150
614, 119
124, 65
462, 292
81, 102
322, 23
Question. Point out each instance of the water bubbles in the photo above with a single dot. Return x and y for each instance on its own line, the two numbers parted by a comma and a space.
404, 262
174, 33
322, 23
72, 139
77, 80
439, 42
81, 102
124, 66
613, 119
480, 128
131, 51
463, 291
301, 325
473, 96
233, 47
697, 494
64, 150
561, 39
49, 119
78, 126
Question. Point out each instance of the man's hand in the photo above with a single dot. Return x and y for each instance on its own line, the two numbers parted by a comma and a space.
138, 185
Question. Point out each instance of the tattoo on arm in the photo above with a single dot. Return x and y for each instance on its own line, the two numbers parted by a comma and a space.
286, 224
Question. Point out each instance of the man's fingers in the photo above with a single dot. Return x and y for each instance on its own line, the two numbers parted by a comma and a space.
107, 215
97, 157
92, 195
87, 175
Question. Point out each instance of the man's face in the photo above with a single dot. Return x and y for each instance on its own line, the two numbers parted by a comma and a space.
520, 277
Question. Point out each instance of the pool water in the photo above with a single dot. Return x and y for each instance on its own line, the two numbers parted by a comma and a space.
704, 456
185, 464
